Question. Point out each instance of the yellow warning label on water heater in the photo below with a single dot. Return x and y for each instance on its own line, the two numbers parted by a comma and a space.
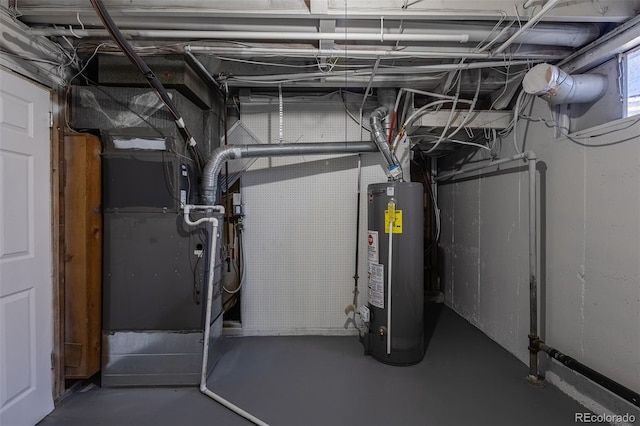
397, 224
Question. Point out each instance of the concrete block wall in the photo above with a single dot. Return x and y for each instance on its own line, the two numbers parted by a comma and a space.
589, 244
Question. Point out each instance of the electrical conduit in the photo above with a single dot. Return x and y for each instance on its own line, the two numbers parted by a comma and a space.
207, 324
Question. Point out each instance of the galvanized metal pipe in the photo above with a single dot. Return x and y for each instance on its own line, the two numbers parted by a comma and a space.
230, 152
615, 387
379, 136
533, 270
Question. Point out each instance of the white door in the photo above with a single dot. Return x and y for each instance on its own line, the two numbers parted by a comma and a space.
26, 313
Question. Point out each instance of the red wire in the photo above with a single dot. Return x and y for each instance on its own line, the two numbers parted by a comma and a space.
393, 124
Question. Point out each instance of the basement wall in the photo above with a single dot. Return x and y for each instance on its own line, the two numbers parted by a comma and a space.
300, 224
589, 245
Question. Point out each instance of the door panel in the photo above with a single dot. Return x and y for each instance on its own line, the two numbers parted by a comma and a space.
26, 328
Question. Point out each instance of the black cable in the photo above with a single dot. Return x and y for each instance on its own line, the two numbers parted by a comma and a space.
196, 285
427, 184
127, 49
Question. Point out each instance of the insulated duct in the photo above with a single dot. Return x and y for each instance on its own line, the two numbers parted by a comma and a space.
557, 87
231, 152
379, 136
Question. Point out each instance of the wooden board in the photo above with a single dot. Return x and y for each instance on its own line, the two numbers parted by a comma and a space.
82, 255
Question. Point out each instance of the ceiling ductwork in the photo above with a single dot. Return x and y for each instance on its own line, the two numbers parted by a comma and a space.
557, 87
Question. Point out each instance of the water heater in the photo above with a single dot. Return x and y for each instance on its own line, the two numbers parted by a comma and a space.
395, 245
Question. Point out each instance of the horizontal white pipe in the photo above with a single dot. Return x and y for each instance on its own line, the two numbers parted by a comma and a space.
531, 22
551, 34
260, 35
313, 53
359, 75
388, 54
448, 67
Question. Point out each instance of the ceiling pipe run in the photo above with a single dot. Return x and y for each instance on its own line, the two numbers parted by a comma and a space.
557, 87
262, 35
370, 53
530, 23
230, 152
548, 34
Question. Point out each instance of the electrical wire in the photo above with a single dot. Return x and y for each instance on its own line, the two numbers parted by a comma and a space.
350, 114
366, 94
87, 62
471, 107
240, 258
451, 114
434, 203
456, 141
126, 48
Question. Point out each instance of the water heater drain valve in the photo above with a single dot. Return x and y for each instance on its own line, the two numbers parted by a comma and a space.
363, 311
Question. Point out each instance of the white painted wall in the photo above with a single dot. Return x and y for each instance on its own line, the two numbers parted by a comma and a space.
301, 221
589, 247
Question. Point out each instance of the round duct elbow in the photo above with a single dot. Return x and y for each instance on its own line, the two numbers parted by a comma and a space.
557, 87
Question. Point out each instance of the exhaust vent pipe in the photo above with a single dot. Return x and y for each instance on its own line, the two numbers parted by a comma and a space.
557, 87
379, 136
230, 152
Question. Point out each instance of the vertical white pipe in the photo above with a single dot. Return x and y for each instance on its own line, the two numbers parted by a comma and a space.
390, 261
207, 325
207, 321
533, 266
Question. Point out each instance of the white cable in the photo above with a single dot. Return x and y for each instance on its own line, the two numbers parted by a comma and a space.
73, 33
467, 118
423, 110
450, 119
516, 114
366, 93
459, 142
79, 21
417, 114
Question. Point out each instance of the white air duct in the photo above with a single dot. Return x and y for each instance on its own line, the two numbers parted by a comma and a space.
557, 87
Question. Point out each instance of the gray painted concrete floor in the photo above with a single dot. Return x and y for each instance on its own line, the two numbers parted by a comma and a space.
464, 379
